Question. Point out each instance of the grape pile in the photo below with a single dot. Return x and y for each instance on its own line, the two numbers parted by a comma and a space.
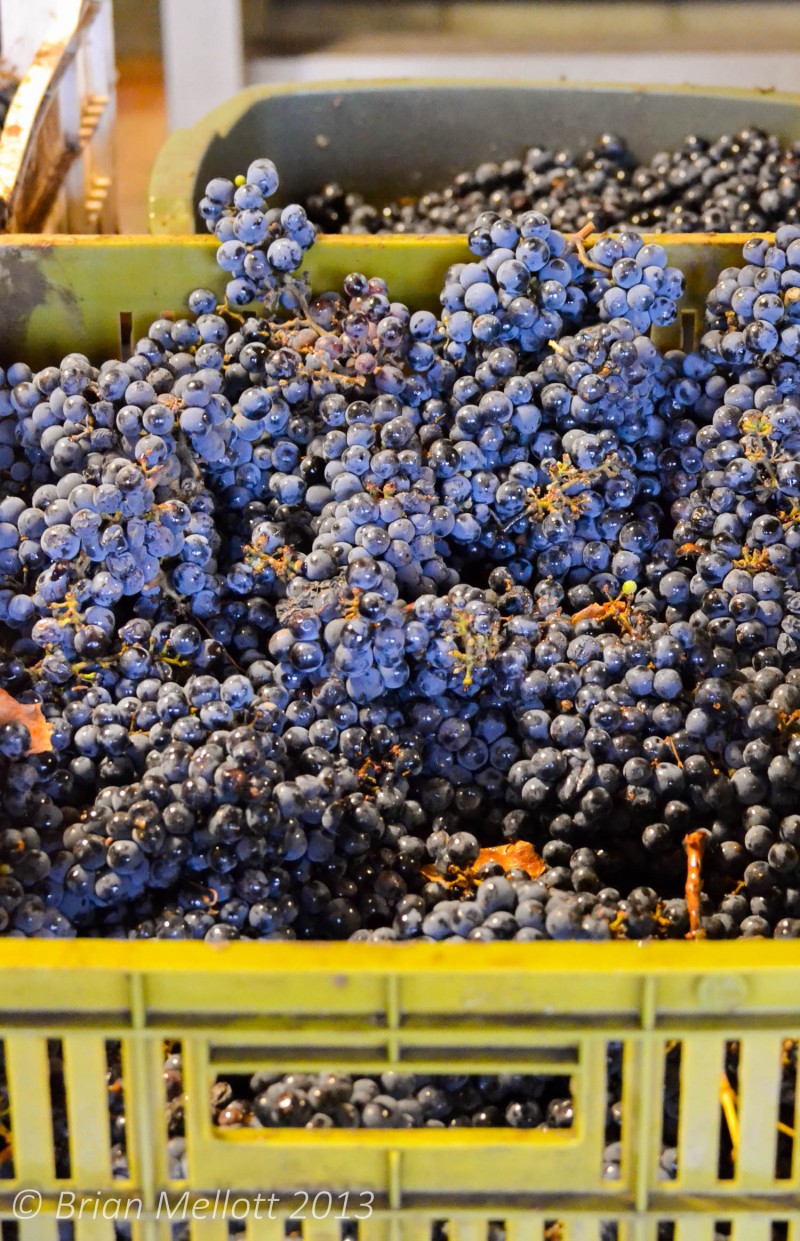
744, 182
331, 620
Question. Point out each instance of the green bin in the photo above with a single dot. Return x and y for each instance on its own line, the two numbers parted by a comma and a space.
387, 139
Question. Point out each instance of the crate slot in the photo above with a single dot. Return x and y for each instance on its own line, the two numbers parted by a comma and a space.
6, 1121
786, 1144
614, 1094
125, 334
59, 1109
670, 1098
424, 1039
281, 1101
729, 1121
34, 1021
507, 1055
690, 329
116, 1103
174, 1115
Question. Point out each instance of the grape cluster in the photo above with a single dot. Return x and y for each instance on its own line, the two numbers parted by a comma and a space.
754, 311
345, 621
259, 245
743, 182
640, 286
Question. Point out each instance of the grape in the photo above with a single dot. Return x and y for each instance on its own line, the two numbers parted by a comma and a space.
744, 182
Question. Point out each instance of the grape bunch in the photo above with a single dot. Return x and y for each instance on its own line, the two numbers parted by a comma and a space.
327, 619
753, 311
260, 246
639, 284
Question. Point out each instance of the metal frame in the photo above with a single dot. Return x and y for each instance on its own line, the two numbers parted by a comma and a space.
57, 145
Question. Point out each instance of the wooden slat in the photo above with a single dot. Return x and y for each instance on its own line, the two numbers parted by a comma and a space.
42, 1228
580, 1229
321, 1229
591, 1109
209, 1230
204, 1165
639, 1228
94, 1230
266, 1229
467, 1230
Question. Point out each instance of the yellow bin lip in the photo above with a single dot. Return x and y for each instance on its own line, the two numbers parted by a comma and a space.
656, 957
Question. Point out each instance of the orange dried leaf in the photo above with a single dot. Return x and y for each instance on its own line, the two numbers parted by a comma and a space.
30, 714
433, 876
520, 855
595, 611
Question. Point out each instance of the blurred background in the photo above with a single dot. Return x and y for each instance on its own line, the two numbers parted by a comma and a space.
179, 58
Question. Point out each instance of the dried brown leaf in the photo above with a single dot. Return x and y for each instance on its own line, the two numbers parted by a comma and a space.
31, 715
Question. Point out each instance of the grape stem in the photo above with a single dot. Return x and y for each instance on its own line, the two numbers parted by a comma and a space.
577, 240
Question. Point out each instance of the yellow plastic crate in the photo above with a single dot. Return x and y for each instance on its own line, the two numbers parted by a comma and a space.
488, 1008
545, 1008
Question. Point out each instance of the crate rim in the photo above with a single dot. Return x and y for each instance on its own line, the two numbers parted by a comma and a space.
179, 158
414, 267
335, 241
340, 957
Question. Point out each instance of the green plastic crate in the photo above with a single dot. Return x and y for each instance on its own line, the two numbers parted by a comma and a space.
392, 138
545, 1008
